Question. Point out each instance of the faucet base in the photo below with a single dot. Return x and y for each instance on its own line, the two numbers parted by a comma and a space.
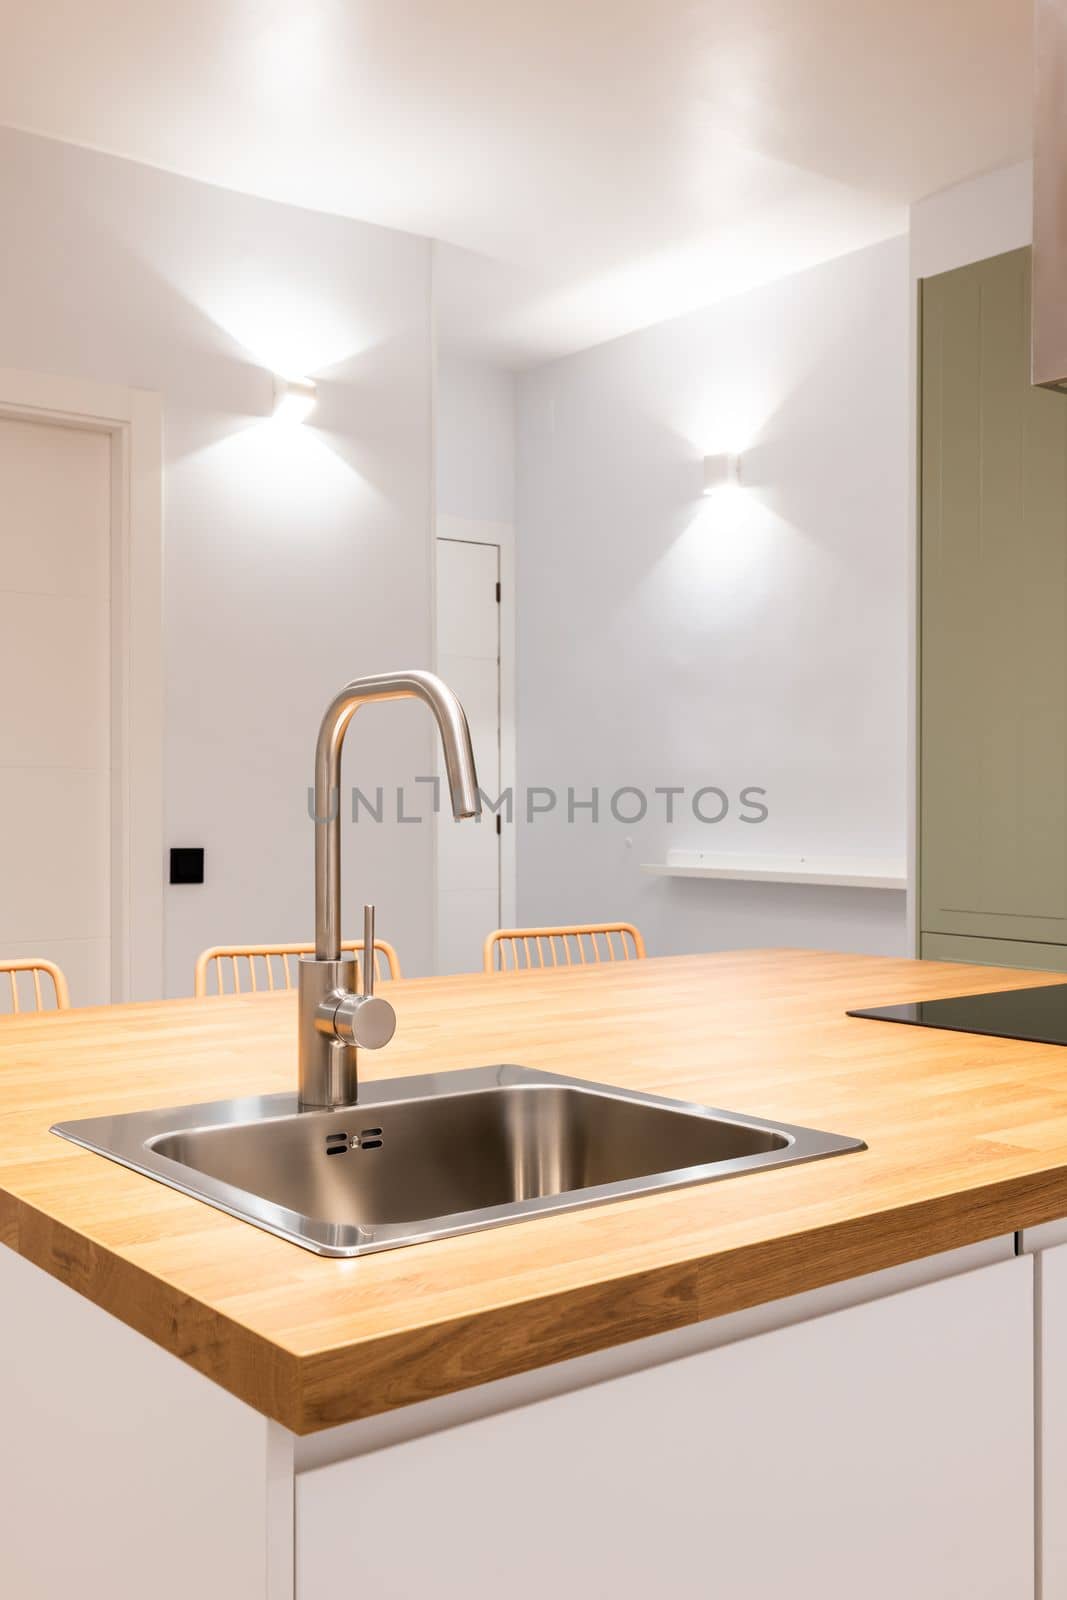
329, 1075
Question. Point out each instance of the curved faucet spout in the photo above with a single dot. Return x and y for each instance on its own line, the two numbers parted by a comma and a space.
459, 766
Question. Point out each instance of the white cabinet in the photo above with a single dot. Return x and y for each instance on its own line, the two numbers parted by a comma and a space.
882, 1450
124, 1474
1051, 1266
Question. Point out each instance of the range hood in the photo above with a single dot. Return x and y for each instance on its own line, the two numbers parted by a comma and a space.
1048, 364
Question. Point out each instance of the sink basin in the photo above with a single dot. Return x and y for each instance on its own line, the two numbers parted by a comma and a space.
423, 1157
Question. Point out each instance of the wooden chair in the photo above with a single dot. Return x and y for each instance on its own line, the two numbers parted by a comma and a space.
273, 970
588, 944
36, 967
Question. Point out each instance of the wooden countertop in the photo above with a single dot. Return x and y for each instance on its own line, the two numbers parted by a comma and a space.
967, 1136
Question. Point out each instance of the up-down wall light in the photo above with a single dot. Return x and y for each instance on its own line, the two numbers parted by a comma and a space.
293, 398
721, 472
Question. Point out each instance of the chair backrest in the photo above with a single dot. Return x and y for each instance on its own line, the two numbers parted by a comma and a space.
25, 993
588, 944
262, 968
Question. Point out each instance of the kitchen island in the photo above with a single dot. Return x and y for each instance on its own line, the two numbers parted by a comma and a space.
820, 1375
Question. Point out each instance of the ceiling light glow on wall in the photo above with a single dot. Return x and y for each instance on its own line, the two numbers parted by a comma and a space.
294, 398
721, 472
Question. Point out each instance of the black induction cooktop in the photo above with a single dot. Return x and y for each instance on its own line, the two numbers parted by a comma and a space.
1038, 1015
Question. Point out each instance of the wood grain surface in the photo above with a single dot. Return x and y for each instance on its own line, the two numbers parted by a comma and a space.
967, 1136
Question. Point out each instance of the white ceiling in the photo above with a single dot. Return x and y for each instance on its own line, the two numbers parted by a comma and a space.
591, 165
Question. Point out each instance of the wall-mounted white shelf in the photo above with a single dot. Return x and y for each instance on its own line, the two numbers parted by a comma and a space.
839, 874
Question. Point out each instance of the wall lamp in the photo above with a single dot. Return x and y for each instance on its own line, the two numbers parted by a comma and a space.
294, 398
720, 471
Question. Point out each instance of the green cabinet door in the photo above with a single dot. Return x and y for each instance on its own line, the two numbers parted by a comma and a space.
993, 616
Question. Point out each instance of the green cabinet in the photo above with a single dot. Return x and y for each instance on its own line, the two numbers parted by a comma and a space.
993, 621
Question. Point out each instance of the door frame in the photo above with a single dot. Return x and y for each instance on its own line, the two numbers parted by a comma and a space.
133, 421
466, 530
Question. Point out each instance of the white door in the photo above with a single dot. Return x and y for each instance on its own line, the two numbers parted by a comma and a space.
55, 708
468, 659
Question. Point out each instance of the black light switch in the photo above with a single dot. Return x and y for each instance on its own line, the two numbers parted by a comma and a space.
187, 866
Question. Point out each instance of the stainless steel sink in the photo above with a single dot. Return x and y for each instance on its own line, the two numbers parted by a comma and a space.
420, 1158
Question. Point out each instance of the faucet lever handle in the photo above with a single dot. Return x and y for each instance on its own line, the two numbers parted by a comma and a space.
364, 1020
368, 950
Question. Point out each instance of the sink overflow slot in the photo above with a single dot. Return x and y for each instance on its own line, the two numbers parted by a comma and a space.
338, 1144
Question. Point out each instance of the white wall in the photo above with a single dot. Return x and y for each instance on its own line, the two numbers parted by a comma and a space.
475, 422
971, 221
665, 638
294, 559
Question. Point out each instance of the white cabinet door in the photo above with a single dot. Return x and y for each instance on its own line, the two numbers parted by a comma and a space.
124, 1474
1051, 1266
884, 1451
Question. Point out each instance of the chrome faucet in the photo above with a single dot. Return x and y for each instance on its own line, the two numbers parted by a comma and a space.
335, 1019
